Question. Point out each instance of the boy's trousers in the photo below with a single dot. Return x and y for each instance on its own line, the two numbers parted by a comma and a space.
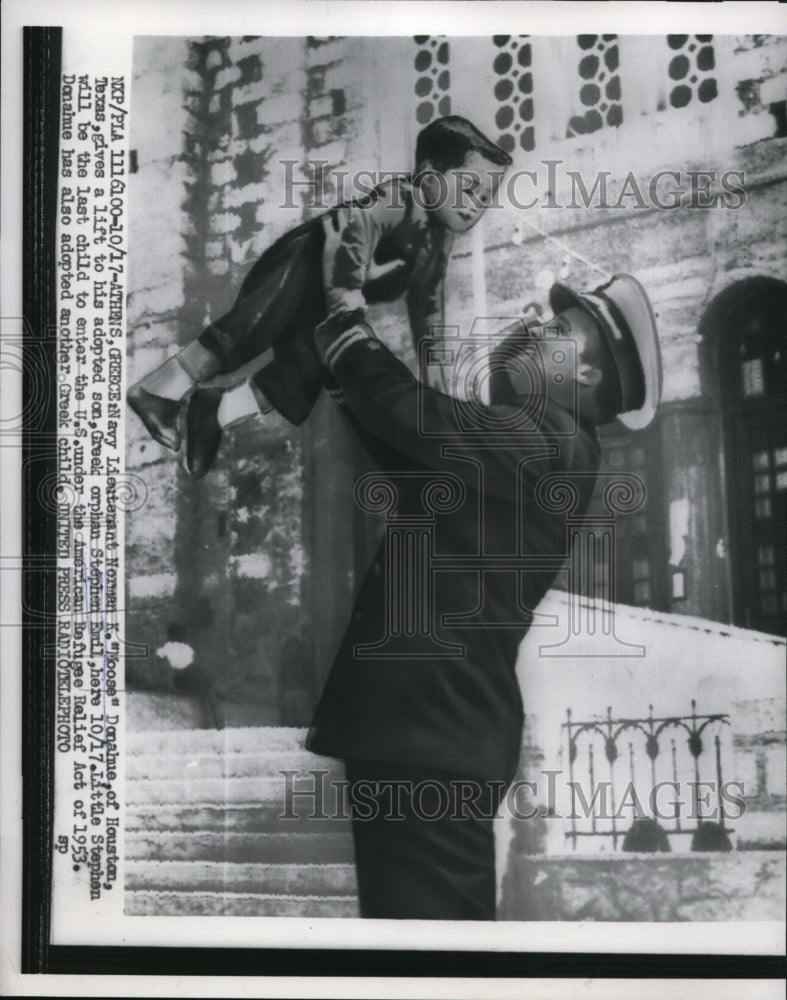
280, 302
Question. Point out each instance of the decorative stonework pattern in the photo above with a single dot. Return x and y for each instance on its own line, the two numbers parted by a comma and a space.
513, 91
599, 85
691, 68
433, 78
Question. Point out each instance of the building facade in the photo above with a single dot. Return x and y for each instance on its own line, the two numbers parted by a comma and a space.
662, 156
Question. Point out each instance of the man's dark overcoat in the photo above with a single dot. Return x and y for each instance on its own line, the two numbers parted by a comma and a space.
448, 700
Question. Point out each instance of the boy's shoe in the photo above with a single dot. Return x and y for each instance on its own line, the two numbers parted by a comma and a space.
203, 430
159, 415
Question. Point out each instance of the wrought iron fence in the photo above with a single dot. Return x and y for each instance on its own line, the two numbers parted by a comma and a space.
637, 745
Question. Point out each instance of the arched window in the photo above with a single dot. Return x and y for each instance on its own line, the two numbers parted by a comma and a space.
744, 335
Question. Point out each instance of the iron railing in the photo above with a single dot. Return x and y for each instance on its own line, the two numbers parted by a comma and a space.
601, 813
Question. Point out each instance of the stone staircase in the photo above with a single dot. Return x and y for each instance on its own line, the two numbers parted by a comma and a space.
205, 833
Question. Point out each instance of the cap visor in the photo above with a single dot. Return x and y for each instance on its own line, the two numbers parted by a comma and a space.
561, 297
633, 301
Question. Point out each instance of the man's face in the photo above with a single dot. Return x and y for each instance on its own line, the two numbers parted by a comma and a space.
563, 352
459, 196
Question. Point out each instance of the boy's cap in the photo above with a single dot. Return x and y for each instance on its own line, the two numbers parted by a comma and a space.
449, 140
623, 311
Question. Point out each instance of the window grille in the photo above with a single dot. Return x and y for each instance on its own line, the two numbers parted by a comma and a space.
691, 69
768, 480
599, 85
639, 536
433, 78
513, 91
745, 332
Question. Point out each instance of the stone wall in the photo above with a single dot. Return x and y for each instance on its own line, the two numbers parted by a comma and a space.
261, 581
158, 266
680, 659
225, 557
707, 888
545, 875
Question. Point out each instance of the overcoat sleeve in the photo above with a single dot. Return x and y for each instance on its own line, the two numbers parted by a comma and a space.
390, 403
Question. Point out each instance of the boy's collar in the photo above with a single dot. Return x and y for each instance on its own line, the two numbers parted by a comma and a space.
418, 214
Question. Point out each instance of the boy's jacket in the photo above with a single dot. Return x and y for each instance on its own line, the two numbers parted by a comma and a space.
282, 297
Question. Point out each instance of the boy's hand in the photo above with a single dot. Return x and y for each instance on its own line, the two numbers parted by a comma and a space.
338, 256
377, 272
333, 223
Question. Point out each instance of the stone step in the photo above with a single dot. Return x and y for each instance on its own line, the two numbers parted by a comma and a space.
186, 766
234, 791
217, 877
257, 739
144, 903
265, 848
236, 818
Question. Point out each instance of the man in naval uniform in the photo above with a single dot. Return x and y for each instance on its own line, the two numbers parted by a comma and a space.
429, 720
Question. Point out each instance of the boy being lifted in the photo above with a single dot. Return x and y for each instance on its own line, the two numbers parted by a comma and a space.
397, 241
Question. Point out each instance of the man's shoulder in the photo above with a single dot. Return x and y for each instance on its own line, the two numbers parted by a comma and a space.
539, 417
570, 444
565, 423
